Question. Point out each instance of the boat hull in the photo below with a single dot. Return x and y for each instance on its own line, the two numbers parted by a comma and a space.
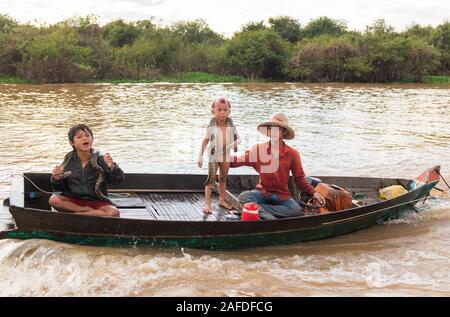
219, 235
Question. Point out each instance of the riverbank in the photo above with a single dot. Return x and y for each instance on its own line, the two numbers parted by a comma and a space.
201, 77
191, 77
5, 79
437, 80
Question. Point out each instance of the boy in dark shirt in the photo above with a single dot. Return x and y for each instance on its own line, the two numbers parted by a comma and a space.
82, 177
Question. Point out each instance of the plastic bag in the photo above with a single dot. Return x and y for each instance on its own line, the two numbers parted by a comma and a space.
392, 192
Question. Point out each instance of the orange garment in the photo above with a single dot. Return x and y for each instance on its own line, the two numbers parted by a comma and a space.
275, 180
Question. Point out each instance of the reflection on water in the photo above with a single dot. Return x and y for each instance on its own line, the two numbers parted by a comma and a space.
358, 130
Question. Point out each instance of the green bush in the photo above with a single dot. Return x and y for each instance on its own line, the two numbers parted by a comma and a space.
441, 40
9, 54
326, 59
398, 58
55, 57
372, 58
79, 49
119, 33
196, 32
253, 26
436, 79
288, 28
255, 54
324, 26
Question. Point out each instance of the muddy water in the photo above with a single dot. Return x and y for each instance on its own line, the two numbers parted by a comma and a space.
357, 130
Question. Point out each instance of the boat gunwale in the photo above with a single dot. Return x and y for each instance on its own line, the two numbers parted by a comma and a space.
118, 190
388, 204
41, 220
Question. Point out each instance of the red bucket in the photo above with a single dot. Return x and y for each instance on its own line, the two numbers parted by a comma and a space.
250, 212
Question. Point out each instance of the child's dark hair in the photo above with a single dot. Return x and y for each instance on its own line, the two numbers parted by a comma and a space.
77, 127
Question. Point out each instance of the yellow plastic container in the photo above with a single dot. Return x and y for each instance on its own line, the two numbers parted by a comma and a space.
392, 192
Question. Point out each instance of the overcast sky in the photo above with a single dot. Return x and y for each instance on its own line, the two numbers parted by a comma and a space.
227, 16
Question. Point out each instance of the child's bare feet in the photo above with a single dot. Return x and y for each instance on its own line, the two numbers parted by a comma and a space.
207, 209
225, 204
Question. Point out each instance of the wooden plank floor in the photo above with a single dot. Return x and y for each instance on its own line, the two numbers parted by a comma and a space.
169, 206
189, 206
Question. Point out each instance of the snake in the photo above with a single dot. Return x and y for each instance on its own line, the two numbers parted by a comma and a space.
98, 169
212, 171
213, 165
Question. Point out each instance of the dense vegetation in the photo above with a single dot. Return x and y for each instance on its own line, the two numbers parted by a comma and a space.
324, 50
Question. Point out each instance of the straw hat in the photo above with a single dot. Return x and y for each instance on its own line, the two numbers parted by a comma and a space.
278, 120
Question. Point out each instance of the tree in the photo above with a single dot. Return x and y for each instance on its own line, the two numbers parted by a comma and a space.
380, 28
324, 26
162, 51
8, 49
79, 49
54, 57
253, 26
118, 33
147, 29
255, 54
327, 59
287, 27
441, 40
416, 30
369, 58
196, 31
7, 24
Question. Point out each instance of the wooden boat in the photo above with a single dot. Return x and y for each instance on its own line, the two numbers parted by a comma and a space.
166, 210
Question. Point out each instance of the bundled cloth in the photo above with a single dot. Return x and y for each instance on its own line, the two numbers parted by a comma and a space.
336, 198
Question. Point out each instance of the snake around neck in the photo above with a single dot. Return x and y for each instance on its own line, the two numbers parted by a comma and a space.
101, 175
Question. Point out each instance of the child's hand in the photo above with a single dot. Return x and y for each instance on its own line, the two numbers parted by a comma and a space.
200, 163
109, 161
56, 173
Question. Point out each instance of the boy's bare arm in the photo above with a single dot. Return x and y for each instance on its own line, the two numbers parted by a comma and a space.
202, 150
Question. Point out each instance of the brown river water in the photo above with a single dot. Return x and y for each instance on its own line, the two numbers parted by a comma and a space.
345, 130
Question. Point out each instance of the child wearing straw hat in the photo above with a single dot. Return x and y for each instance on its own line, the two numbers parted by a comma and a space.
221, 135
